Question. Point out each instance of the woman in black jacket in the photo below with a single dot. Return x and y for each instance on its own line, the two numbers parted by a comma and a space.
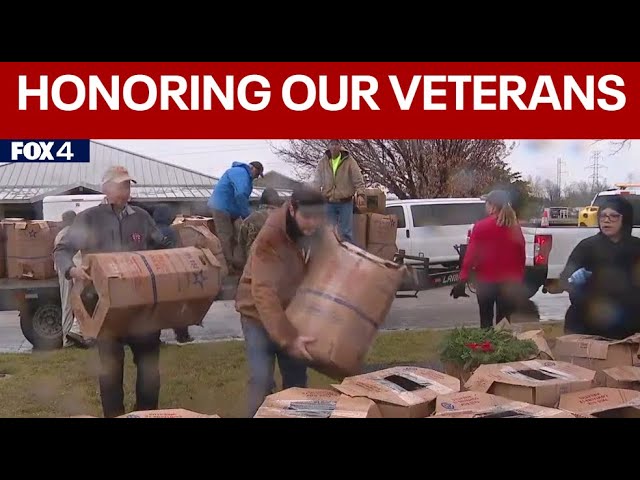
602, 276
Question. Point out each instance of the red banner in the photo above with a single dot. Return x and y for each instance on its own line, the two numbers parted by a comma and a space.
319, 100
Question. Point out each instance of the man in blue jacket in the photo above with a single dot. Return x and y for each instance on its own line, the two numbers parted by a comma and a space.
230, 201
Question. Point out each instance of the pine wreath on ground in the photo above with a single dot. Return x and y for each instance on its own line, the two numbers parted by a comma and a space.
465, 349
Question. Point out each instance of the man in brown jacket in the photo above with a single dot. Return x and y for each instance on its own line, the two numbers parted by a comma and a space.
275, 268
339, 178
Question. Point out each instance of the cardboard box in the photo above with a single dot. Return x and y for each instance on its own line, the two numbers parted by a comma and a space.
597, 353
29, 249
315, 403
401, 392
200, 236
603, 402
360, 223
138, 292
168, 413
344, 298
196, 220
534, 381
536, 336
382, 232
485, 405
626, 377
376, 201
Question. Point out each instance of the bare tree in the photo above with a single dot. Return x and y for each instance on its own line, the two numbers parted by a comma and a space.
552, 192
416, 168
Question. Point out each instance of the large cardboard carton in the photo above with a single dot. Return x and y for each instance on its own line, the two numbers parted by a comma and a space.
168, 413
597, 353
139, 292
375, 201
626, 377
315, 403
381, 235
533, 381
401, 392
29, 248
196, 220
485, 405
200, 236
603, 402
342, 301
360, 224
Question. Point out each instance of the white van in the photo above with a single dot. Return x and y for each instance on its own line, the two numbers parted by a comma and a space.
431, 227
53, 207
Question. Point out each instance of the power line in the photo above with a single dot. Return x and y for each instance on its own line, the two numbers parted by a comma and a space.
560, 171
596, 168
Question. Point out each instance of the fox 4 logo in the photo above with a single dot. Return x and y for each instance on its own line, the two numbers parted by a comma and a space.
41, 151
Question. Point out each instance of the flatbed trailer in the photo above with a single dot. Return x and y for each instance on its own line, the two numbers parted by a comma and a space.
38, 304
38, 301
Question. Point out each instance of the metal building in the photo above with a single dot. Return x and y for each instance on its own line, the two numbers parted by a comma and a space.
24, 185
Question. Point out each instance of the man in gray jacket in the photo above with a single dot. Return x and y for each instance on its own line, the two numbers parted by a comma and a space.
116, 226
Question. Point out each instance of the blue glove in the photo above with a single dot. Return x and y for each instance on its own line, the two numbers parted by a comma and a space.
579, 277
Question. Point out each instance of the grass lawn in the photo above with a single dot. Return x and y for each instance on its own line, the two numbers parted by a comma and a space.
206, 378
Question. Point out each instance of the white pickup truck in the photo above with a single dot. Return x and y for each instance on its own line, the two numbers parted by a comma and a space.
548, 248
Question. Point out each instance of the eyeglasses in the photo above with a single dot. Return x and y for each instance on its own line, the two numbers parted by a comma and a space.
610, 217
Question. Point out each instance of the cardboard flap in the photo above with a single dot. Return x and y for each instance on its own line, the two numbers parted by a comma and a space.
532, 373
403, 386
583, 346
485, 405
537, 337
627, 374
598, 400
632, 339
481, 380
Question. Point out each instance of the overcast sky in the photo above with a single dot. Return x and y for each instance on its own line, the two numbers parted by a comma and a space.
531, 157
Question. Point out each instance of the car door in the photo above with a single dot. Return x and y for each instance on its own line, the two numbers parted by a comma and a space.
403, 237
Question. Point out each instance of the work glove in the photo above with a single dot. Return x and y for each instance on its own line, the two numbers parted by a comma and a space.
459, 290
579, 277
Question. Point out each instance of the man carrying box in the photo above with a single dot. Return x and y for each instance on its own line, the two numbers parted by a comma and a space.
276, 266
339, 178
116, 226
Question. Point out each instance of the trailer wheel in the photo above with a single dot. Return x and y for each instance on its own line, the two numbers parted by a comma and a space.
42, 326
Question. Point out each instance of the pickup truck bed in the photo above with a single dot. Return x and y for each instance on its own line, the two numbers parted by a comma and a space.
563, 241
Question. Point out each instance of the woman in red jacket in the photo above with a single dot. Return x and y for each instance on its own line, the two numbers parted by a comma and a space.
496, 255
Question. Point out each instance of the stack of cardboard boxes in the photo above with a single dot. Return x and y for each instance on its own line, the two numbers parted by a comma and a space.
374, 230
26, 249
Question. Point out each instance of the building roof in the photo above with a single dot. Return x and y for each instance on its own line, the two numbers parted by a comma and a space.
157, 180
276, 180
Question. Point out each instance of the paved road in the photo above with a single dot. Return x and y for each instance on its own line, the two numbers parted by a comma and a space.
432, 309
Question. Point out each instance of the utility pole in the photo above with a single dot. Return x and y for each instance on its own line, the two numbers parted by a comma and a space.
596, 168
560, 172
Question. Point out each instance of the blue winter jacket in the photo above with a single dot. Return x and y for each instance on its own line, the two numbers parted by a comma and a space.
231, 193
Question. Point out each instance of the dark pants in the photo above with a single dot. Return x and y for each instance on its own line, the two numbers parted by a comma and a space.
494, 299
261, 355
146, 356
181, 333
341, 214
225, 233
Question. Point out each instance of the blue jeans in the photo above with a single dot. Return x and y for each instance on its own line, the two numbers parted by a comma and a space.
261, 355
341, 214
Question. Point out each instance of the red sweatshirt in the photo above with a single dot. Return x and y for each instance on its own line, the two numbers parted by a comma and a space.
496, 254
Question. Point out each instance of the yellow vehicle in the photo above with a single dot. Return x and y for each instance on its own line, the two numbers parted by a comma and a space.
588, 217
631, 191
